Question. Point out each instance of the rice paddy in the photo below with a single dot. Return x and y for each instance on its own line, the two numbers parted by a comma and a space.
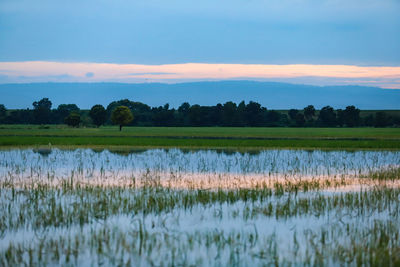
243, 138
174, 207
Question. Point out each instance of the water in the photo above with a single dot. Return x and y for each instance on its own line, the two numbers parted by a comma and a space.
197, 208
89, 163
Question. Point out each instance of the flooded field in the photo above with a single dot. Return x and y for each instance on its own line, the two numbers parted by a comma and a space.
199, 208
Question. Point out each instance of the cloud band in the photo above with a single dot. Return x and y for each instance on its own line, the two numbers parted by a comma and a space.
46, 71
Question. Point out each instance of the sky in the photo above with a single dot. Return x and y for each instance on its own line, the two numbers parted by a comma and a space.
320, 42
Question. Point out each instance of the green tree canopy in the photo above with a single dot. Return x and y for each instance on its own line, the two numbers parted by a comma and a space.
309, 112
142, 113
300, 121
381, 119
73, 119
63, 110
351, 116
121, 116
98, 115
273, 117
3, 111
254, 114
327, 117
293, 113
42, 111
229, 114
184, 108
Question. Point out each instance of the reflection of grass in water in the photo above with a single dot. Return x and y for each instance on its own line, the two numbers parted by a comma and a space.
391, 173
44, 206
373, 246
89, 165
345, 239
290, 221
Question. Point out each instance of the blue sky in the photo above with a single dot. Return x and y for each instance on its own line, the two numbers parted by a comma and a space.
323, 32
360, 32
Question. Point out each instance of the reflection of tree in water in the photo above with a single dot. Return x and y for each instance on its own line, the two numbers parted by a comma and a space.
97, 150
127, 152
230, 152
222, 151
44, 151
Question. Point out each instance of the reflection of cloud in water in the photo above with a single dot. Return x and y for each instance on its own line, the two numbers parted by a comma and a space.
192, 168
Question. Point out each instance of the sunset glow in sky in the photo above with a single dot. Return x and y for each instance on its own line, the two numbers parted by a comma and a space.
386, 77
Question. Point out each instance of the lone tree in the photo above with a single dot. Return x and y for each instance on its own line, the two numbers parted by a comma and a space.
73, 119
98, 114
121, 116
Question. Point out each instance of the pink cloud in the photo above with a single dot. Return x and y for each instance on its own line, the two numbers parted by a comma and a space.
348, 74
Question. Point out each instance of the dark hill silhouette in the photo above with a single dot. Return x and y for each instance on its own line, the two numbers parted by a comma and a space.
270, 94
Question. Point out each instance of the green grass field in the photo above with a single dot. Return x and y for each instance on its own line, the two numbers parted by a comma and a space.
201, 137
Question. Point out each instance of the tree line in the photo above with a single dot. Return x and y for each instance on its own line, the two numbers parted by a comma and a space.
252, 114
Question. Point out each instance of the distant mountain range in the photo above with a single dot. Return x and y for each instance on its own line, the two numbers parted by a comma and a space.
270, 94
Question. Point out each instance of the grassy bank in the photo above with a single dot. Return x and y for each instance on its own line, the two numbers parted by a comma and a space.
204, 137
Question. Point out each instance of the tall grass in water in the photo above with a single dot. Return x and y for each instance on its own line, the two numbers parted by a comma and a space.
52, 214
